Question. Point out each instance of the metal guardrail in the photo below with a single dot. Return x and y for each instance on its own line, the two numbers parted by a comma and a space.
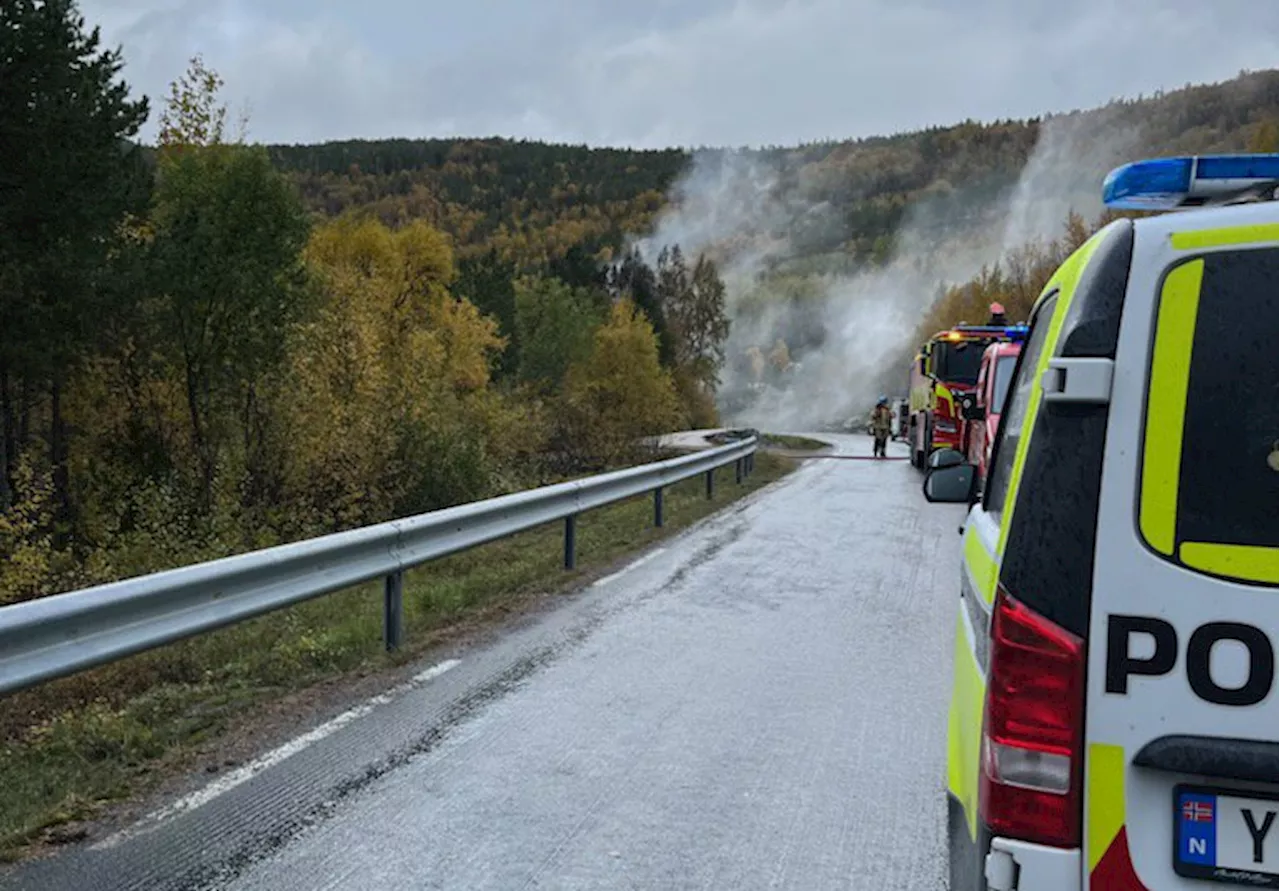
55, 636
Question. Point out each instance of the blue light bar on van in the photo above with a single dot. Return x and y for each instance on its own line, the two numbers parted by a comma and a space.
1017, 333
1167, 183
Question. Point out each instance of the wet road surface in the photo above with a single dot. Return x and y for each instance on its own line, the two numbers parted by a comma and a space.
760, 703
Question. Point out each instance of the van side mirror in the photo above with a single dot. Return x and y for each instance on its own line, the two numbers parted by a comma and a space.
945, 458
954, 484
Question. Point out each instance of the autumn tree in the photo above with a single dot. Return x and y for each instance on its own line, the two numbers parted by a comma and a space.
68, 179
225, 265
694, 315
388, 408
193, 116
1266, 137
555, 324
620, 392
579, 268
672, 275
633, 278
701, 324
488, 281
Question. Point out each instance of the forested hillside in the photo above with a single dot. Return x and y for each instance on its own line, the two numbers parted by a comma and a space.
209, 346
935, 224
533, 202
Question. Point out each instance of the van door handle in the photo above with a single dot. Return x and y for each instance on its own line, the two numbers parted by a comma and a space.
1078, 380
1211, 756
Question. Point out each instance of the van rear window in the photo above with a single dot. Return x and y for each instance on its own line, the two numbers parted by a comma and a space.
1228, 490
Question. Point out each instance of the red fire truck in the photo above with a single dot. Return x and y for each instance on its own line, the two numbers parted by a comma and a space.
945, 370
982, 420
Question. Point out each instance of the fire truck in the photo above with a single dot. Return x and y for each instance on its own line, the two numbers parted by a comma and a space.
943, 374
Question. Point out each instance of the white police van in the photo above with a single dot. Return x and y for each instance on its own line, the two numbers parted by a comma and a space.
1113, 721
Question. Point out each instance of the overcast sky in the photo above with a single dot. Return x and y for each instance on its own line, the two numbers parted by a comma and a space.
675, 72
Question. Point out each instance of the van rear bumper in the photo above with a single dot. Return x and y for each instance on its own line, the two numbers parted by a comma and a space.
1021, 866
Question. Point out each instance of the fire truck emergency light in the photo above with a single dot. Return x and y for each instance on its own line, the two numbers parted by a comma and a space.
1169, 183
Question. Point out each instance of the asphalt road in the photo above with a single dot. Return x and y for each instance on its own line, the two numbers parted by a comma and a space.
761, 703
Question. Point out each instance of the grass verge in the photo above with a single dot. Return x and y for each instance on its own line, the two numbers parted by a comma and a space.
794, 443
71, 747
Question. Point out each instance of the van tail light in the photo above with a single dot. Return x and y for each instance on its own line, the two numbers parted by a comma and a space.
1032, 743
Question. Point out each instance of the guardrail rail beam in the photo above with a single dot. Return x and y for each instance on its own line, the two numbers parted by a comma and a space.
59, 635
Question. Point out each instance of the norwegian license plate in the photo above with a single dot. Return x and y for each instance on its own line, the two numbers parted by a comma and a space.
1226, 836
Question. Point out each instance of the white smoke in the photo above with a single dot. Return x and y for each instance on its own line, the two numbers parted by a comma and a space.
734, 206
1073, 154
757, 212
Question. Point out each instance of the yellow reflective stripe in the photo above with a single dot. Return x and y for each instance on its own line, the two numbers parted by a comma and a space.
964, 727
1211, 238
1064, 280
1106, 798
1167, 403
1257, 564
980, 563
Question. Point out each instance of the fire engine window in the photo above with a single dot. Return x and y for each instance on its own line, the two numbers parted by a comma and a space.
958, 363
1227, 487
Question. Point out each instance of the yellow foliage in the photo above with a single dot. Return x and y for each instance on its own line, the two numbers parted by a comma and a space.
697, 401
470, 340
25, 541
620, 392
391, 366
360, 245
1266, 136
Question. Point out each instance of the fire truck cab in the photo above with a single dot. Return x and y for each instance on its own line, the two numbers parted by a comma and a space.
981, 410
943, 372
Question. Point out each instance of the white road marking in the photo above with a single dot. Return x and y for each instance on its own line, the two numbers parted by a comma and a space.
241, 775
436, 670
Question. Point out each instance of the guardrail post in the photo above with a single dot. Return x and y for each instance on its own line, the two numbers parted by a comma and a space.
657, 507
570, 540
711, 484
737, 471
393, 611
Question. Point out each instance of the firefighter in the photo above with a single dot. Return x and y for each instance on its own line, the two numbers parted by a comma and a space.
881, 426
997, 315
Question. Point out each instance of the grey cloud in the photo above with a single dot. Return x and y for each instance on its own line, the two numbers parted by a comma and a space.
699, 72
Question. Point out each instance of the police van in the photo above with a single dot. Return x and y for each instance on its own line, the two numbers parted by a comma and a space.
1113, 720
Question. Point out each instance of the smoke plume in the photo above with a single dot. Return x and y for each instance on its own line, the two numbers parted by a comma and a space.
768, 221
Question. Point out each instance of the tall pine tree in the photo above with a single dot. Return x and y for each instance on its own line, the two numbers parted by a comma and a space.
68, 179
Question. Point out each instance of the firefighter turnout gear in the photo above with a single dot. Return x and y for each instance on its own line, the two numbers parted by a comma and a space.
881, 426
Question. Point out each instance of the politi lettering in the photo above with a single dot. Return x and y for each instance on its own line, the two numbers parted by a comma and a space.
1198, 663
